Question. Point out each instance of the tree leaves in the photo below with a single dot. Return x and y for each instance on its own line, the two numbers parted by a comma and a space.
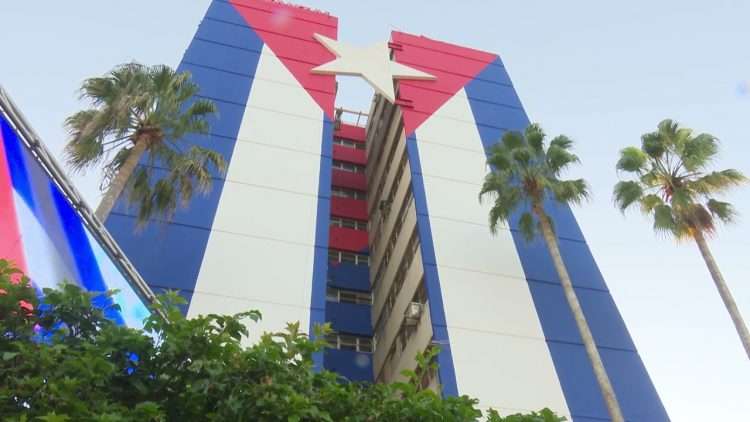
663, 220
84, 367
632, 160
626, 194
699, 151
524, 173
724, 211
155, 105
670, 184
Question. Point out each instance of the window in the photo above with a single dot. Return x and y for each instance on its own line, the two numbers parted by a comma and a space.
351, 342
346, 166
348, 193
398, 282
349, 143
409, 251
337, 256
348, 223
348, 296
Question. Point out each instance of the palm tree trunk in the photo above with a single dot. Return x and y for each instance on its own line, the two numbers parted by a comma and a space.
120, 181
608, 393
726, 295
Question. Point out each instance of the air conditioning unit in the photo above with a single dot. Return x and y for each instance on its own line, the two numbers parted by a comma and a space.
413, 311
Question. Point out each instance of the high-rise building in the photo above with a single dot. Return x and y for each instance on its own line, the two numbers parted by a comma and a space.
371, 221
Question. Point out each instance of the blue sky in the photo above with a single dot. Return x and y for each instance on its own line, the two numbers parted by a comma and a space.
602, 73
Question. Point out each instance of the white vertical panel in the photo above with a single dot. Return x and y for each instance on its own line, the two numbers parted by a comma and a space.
499, 351
46, 266
260, 251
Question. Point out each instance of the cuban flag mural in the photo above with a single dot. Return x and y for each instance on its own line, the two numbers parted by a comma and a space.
43, 235
259, 240
496, 304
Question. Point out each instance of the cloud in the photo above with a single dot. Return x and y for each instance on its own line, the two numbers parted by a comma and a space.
743, 89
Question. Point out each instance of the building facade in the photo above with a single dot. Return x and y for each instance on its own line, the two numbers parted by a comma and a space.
374, 225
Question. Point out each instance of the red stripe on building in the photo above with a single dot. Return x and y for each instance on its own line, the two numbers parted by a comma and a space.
11, 247
351, 132
345, 179
355, 209
352, 155
346, 239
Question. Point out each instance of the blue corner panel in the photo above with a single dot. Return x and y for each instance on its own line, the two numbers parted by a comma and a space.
226, 33
538, 266
600, 310
219, 85
631, 382
172, 259
222, 10
565, 224
352, 365
232, 60
349, 318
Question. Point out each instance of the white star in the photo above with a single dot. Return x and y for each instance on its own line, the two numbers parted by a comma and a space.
372, 63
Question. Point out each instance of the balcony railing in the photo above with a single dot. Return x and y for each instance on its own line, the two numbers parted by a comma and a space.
351, 117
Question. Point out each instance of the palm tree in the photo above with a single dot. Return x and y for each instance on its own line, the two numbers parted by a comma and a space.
524, 173
673, 184
138, 109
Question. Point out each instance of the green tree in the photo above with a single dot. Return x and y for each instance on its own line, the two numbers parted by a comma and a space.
137, 110
524, 173
673, 184
62, 360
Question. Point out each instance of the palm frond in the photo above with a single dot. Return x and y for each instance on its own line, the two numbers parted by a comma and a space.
527, 226
134, 103
506, 202
570, 191
632, 160
653, 144
500, 158
559, 159
513, 140
717, 181
649, 203
535, 139
670, 182
664, 221
522, 156
681, 198
699, 151
724, 211
525, 171
562, 142
626, 194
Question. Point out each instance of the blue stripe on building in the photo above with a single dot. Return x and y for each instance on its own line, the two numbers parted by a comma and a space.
322, 222
446, 369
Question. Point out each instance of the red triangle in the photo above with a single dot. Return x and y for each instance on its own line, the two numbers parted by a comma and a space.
452, 65
288, 31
